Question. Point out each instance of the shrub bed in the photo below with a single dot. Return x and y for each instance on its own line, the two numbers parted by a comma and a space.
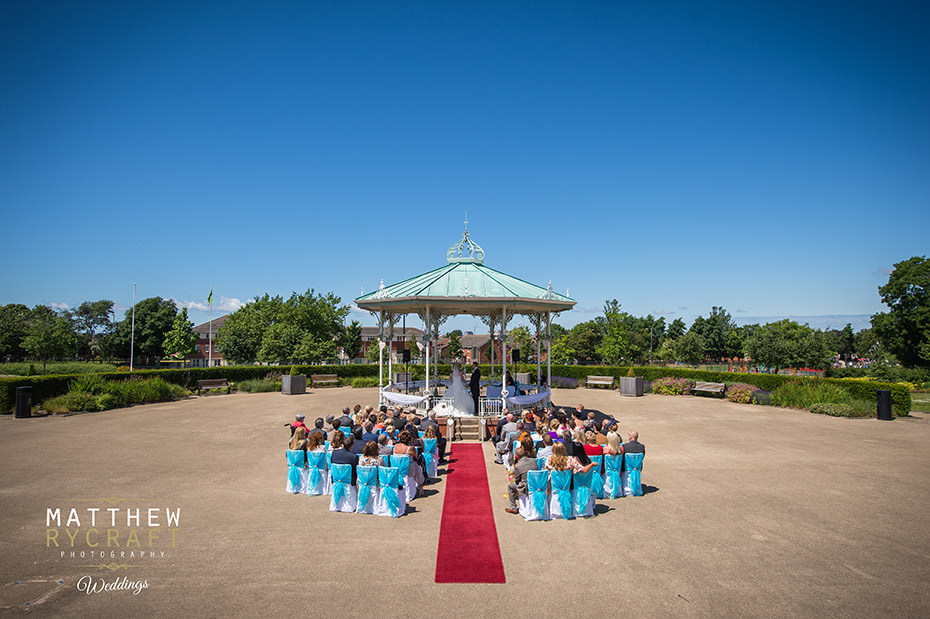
94, 394
671, 386
741, 393
256, 385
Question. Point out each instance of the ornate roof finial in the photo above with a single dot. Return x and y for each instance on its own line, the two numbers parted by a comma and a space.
466, 250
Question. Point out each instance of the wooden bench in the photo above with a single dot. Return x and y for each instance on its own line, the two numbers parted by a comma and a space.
604, 381
212, 383
323, 379
709, 388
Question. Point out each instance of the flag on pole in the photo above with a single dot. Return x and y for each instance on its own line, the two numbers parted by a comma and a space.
210, 296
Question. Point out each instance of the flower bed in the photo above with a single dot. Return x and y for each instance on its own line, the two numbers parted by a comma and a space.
741, 393
671, 386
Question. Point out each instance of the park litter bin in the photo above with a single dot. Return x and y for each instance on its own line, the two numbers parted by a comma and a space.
884, 405
23, 402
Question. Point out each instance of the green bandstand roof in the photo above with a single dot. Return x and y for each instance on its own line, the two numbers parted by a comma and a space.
464, 286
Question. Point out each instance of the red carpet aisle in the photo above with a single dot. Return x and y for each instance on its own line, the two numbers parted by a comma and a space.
468, 547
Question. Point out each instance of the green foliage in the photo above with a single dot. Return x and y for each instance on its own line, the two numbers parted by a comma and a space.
455, 346
740, 393
351, 340
715, 332
303, 328
615, 346
92, 318
676, 329
59, 367
180, 341
671, 386
905, 329
838, 409
259, 385
810, 392
631, 373
154, 319
294, 371
364, 381
689, 348
14, 326
786, 343
49, 335
92, 393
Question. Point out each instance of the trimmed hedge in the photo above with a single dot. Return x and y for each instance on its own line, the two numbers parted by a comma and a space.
45, 387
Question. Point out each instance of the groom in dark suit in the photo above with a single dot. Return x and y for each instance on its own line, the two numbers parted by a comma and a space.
475, 383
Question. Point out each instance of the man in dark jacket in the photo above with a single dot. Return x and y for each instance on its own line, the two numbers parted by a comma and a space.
345, 456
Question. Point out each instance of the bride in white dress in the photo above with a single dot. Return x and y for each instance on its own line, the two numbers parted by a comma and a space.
463, 404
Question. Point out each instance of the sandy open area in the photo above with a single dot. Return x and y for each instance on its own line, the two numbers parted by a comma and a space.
751, 512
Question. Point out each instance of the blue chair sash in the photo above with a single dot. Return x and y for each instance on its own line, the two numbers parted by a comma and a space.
429, 444
428, 460
633, 463
317, 462
597, 480
342, 479
537, 483
402, 464
367, 481
561, 485
295, 465
582, 491
612, 466
541, 463
389, 478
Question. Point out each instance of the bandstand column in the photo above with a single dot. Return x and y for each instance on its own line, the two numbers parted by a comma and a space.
504, 359
549, 350
381, 359
429, 336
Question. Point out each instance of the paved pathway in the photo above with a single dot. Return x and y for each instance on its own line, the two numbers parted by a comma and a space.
755, 511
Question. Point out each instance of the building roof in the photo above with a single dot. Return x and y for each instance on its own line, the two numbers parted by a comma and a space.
218, 322
464, 286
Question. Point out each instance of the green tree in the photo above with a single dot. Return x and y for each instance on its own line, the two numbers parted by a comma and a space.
315, 349
689, 348
351, 340
154, 319
905, 329
373, 352
785, 343
454, 349
279, 345
93, 318
181, 339
615, 345
582, 341
715, 331
49, 335
14, 327
676, 329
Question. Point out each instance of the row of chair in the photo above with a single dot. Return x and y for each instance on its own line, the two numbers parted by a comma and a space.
567, 495
383, 491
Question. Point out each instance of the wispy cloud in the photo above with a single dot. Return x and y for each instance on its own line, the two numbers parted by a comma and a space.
587, 310
662, 312
739, 311
883, 271
226, 304
59, 306
682, 308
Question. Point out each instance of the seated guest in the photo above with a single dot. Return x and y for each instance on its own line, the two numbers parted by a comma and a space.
500, 425
554, 429
507, 441
368, 433
318, 428
315, 442
385, 446
379, 424
337, 439
370, 455
613, 446
528, 445
546, 449
354, 445
590, 444
415, 439
342, 455
345, 421
634, 446
517, 487
574, 448
403, 447
561, 461
356, 415
337, 427
390, 431
529, 422
329, 424
589, 424
430, 422
298, 423
299, 440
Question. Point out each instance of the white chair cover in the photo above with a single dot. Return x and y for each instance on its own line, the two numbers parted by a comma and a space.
318, 480
582, 495
402, 464
345, 495
368, 491
390, 501
560, 503
297, 472
534, 505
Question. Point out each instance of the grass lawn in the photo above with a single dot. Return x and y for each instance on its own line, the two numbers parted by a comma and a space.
920, 402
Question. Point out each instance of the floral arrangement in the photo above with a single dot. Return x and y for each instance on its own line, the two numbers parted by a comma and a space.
671, 386
561, 382
741, 393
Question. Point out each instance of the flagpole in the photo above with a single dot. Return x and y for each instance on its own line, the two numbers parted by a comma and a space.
132, 333
210, 340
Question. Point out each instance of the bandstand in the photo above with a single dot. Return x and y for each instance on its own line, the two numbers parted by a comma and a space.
465, 286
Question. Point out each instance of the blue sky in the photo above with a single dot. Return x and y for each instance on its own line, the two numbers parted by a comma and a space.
773, 159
